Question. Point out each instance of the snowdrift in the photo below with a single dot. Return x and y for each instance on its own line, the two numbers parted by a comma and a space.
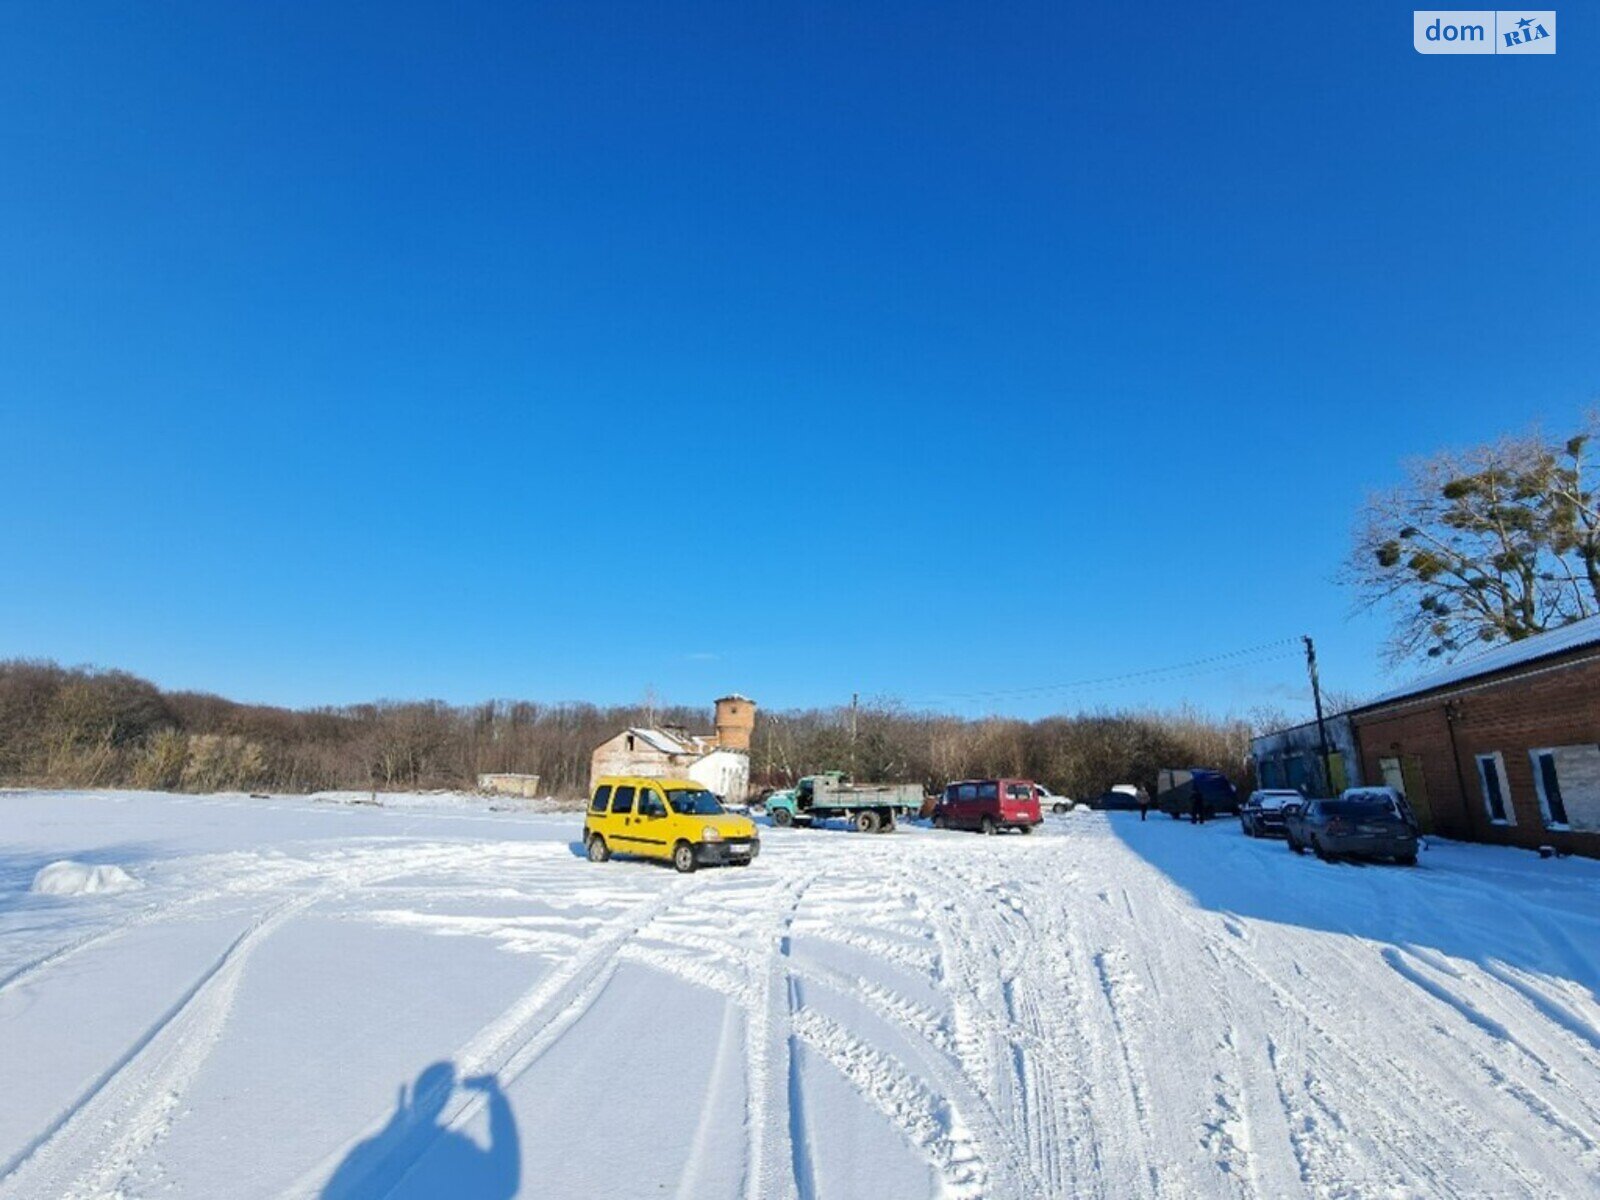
69, 878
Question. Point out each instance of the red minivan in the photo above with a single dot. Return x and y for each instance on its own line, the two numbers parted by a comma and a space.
989, 805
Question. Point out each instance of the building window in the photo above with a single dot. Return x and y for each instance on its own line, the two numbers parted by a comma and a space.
1548, 781
1496, 794
1568, 782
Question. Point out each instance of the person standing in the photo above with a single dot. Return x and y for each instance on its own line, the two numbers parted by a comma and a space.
1144, 804
1197, 806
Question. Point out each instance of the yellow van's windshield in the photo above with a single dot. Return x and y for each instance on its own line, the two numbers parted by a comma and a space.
696, 803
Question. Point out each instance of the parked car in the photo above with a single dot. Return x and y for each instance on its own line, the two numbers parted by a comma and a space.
1263, 813
989, 805
1055, 803
674, 819
1124, 797
1361, 823
1176, 789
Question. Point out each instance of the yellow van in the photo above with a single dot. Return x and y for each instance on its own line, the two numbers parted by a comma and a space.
675, 819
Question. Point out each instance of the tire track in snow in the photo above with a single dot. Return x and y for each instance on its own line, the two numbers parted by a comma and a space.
1329, 1055
1022, 1121
36, 1168
752, 964
152, 913
1354, 1152
1557, 1010
730, 1043
1449, 992
1528, 1080
138, 1093
511, 1043
954, 1153
134, 1100
779, 1163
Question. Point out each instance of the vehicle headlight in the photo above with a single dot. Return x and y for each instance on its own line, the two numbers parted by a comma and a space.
708, 834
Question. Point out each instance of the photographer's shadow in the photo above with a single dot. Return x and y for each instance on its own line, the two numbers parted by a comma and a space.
417, 1155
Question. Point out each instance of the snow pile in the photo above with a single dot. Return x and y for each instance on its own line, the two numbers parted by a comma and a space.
68, 878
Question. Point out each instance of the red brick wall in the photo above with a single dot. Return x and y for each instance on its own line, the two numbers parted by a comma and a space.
1551, 708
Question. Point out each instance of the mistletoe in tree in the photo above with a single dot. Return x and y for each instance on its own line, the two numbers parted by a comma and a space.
1484, 546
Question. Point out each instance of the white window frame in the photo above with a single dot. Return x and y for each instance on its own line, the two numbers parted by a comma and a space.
1538, 784
1499, 763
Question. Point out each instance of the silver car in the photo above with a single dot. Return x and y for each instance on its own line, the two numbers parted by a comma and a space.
1266, 813
1054, 802
1361, 823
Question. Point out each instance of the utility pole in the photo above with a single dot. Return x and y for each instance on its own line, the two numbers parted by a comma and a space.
1316, 696
855, 701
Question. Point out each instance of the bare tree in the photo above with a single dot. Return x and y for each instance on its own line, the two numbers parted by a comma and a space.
1482, 546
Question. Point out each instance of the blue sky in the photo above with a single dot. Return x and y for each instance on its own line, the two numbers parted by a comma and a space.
566, 350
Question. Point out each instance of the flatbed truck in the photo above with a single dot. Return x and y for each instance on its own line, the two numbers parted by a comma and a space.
869, 807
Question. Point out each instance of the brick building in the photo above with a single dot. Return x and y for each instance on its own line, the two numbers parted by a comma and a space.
1504, 747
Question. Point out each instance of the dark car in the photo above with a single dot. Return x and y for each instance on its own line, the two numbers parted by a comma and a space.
1263, 813
1362, 823
989, 805
1115, 800
1176, 790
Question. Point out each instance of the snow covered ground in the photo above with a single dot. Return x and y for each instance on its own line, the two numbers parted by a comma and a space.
316, 999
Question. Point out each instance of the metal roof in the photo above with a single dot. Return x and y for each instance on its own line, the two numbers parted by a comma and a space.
1585, 632
669, 743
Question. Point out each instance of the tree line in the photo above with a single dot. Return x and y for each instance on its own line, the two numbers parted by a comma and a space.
83, 727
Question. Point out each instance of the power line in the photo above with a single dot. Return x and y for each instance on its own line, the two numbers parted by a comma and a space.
1267, 652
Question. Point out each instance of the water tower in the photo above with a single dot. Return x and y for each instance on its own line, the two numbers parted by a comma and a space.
736, 721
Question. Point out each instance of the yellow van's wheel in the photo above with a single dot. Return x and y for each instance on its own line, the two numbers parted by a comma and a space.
683, 857
598, 850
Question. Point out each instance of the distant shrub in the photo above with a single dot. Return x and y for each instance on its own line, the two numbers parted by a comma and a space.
217, 763
160, 766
